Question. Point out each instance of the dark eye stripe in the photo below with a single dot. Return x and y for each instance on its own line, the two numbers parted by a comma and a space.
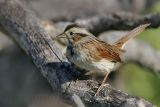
82, 34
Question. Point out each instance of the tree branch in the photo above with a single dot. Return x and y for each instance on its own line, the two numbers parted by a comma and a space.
120, 21
25, 28
117, 21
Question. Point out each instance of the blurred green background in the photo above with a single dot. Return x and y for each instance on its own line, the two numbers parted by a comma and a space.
137, 80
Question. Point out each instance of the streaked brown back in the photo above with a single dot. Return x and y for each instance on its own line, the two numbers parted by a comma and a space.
101, 50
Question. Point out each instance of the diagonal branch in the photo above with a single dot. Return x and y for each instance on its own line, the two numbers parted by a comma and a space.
25, 28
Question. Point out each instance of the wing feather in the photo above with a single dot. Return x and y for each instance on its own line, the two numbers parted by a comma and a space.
100, 50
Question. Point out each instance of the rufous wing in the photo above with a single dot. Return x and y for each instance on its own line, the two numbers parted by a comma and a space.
101, 50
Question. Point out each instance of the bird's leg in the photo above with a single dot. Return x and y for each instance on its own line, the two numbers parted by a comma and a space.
102, 84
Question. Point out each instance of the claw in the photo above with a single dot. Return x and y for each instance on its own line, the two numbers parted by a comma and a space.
99, 89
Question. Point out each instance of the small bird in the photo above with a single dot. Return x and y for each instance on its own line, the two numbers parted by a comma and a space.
92, 54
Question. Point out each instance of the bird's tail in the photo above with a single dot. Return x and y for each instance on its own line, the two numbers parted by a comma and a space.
122, 41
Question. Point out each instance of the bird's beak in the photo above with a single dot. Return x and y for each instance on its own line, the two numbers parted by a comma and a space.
62, 35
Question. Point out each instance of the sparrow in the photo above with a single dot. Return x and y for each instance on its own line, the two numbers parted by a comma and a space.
92, 54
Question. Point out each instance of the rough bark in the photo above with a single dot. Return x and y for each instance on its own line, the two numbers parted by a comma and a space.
25, 28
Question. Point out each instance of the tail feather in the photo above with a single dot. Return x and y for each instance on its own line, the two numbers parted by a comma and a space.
121, 42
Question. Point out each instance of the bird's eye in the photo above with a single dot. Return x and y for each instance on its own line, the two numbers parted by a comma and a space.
71, 33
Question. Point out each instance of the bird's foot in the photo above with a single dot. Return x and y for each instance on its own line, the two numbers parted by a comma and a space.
99, 89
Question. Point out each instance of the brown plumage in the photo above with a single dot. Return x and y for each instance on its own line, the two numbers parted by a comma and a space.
130, 35
93, 54
99, 50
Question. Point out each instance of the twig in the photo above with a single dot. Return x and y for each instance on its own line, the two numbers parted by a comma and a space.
25, 29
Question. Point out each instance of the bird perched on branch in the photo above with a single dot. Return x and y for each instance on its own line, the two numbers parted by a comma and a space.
92, 54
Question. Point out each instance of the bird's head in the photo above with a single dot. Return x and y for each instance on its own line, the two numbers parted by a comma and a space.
74, 33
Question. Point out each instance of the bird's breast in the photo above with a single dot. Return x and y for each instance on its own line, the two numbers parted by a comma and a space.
83, 59
104, 65
79, 57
